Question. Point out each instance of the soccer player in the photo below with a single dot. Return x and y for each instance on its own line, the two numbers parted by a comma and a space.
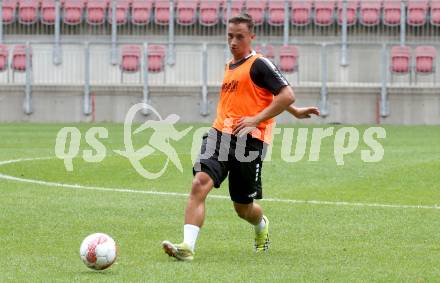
253, 92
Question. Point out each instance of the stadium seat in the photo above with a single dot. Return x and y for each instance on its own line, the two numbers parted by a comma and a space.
236, 8
301, 12
352, 10
288, 58
400, 60
162, 12
19, 58
276, 13
324, 12
3, 57
96, 12
370, 12
435, 12
209, 12
186, 12
48, 12
122, 9
141, 11
9, 8
267, 51
417, 12
28, 11
130, 58
72, 11
425, 59
391, 13
256, 9
156, 58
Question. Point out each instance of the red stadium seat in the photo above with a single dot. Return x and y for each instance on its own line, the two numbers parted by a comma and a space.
288, 58
122, 9
3, 57
352, 9
400, 59
156, 58
276, 13
236, 8
9, 8
209, 12
130, 58
370, 12
417, 12
425, 59
73, 10
435, 12
324, 12
391, 13
256, 9
96, 12
267, 51
162, 12
301, 12
141, 12
186, 12
19, 58
48, 12
28, 11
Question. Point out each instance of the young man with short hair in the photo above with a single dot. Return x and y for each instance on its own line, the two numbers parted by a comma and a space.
252, 94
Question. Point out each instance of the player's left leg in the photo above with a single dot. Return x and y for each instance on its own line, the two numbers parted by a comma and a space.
253, 213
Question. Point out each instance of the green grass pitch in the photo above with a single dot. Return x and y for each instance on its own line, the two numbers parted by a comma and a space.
41, 227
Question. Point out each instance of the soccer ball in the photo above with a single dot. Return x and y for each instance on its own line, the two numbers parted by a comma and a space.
98, 251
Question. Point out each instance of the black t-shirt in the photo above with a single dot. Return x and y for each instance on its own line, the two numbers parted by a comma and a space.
264, 74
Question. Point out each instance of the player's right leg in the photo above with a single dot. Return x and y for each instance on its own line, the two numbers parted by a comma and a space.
194, 217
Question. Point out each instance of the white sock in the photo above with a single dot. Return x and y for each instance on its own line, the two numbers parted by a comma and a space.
190, 233
259, 227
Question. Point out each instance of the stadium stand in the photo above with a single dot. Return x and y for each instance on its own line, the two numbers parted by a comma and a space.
187, 12
96, 11
28, 11
18, 63
256, 9
391, 13
162, 12
156, 58
141, 12
9, 7
288, 58
370, 12
324, 12
130, 58
425, 57
301, 12
48, 12
400, 60
435, 12
73, 10
236, 7
209, 12
4, 56
276, 13
417, 12
352, 11
122, 12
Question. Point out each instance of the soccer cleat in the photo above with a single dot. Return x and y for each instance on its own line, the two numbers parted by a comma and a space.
262, 239
179, 251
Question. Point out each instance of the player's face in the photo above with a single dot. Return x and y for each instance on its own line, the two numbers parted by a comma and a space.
239, 40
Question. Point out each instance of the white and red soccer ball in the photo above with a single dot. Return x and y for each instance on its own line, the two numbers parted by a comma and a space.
98, 251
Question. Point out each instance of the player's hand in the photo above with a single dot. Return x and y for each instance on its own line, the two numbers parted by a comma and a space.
306, 112
245, 126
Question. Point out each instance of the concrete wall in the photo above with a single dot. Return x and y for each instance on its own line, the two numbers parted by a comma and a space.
358, 105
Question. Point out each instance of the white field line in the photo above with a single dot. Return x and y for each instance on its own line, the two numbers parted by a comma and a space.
122, 190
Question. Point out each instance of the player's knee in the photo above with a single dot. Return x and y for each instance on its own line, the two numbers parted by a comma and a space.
242, 210
201, 185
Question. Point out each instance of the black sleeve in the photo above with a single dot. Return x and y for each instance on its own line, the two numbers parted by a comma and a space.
266, 75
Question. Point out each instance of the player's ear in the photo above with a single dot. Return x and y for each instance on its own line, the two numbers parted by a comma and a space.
252, 35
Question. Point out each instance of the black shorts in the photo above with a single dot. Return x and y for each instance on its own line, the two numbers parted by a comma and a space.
222, 154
